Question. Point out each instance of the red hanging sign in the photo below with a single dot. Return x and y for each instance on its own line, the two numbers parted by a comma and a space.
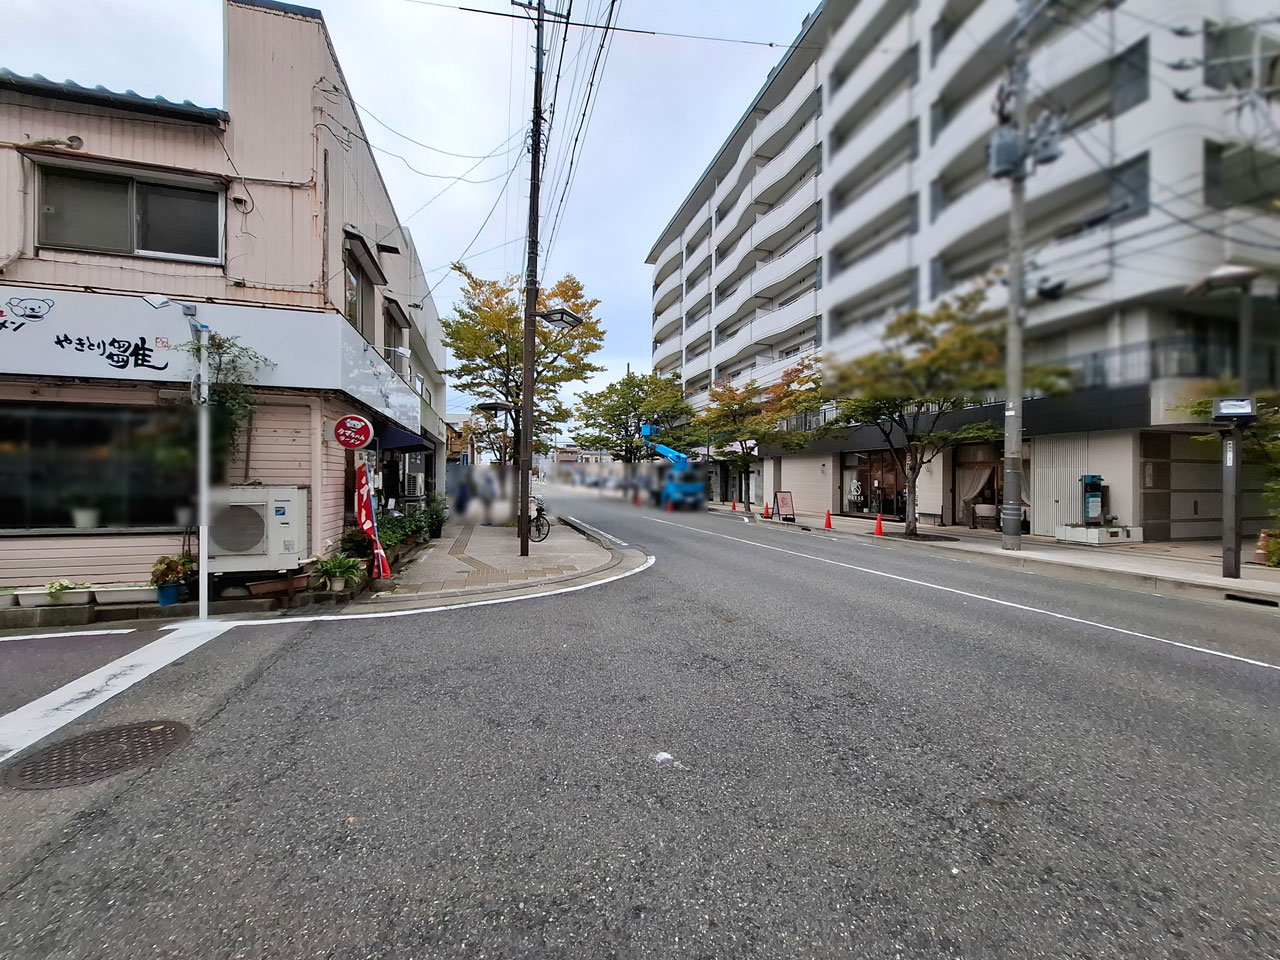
353, 432
368, 520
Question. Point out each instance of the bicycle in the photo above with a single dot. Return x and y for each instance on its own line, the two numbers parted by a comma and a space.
539, 525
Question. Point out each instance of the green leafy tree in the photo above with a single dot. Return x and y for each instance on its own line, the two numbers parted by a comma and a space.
739, 420
611, 418
932, 365
486, 338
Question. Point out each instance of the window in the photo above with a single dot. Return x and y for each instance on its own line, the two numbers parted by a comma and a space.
1240, 175
129, 466
85, 210
358, 297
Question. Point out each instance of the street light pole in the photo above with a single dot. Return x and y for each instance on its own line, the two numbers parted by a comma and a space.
531, 288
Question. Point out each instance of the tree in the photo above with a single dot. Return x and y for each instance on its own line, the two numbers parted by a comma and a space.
932, 365
611, 418
491, 436
486, 338
738, 421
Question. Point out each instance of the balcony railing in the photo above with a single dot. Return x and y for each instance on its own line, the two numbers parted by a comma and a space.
1191, 357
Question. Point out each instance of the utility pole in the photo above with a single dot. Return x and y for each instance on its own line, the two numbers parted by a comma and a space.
1013, 146
531, 286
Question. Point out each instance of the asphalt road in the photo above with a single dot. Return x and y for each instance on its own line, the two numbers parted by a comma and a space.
767, 745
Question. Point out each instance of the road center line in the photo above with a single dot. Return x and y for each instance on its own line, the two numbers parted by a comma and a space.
979, 596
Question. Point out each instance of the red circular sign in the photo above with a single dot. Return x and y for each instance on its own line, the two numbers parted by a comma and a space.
353, 432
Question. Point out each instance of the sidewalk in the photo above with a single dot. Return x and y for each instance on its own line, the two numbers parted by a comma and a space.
1192, 568
472, 557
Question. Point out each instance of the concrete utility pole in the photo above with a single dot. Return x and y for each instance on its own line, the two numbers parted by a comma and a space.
1013, 146
531, 287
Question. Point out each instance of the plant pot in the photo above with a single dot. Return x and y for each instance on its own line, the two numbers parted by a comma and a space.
436, 531
124, 593
85, 518
184, 516
266, 587
167, 594
40, 597
337, 584
8, 599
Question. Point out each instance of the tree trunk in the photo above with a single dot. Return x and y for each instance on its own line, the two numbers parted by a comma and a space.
912, 473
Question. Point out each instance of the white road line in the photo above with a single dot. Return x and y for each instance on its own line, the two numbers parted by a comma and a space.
607, 536
39, 718
72, 633
979, 596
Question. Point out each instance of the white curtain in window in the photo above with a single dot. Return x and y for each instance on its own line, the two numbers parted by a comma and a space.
970, 479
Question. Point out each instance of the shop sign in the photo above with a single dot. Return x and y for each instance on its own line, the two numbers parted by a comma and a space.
353, 432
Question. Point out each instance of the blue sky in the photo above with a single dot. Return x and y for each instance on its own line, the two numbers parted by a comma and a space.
462, 82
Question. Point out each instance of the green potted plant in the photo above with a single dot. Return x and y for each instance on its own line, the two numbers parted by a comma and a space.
435, 510
85, 511
340, 571
169, 574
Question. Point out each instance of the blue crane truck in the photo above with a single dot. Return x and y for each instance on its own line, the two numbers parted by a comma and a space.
682, 486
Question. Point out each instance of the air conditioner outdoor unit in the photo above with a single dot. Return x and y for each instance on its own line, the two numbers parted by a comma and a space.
257, 528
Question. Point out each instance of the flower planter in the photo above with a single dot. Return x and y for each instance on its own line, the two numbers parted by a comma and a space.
124, 593
337, 584
40, 597
85, 518
167, 594
1098, 536
7, 599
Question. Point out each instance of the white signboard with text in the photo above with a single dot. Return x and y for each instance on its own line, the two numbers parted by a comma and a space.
61, 333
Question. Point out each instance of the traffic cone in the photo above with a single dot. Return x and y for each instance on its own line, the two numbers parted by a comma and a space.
766, 509
734, 508
879, 526
827, 525
671, 507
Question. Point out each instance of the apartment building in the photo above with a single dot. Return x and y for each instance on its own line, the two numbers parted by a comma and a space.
123, 217
857, 185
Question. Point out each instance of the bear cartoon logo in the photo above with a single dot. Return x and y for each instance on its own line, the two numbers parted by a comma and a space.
30, 309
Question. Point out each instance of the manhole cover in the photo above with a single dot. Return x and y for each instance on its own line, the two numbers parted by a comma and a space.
97, 755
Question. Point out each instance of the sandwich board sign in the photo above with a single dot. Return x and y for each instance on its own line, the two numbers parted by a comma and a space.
784, 507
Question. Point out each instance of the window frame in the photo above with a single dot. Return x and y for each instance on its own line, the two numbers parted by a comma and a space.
109, 172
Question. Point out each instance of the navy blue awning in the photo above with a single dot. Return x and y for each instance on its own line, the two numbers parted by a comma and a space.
393, 438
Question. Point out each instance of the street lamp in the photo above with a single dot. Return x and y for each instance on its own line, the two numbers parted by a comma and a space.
1231, 276
199, 333
562, 319
498, 406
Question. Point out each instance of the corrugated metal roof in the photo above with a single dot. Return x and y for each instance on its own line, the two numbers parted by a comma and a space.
36, 85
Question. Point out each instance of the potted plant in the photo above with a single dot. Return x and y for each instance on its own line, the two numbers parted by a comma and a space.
435, 510
123, 593
56, 592
85, 514
170, 573
7, 597
340, 570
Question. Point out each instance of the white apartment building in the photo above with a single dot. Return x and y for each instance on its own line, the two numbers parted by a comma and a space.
270, 220
856, 185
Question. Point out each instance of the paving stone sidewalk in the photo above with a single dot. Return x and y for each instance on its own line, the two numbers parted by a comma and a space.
471, 556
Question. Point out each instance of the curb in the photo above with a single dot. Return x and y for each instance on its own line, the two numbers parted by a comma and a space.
1163, 584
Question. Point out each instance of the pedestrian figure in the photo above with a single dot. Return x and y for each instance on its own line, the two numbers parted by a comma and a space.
487, 492
463, 494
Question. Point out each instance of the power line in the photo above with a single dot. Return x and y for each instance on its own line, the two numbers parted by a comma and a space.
588, 110
636, 30
496, 200
404, 136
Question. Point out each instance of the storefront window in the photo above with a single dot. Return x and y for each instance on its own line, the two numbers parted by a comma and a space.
63, 466
871, 483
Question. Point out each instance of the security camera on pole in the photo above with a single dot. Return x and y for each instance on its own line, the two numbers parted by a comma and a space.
1012, 145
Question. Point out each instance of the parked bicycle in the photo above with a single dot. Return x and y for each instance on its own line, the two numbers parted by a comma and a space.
539, 525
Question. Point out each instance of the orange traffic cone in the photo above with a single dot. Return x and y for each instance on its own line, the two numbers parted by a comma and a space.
827, 525
879, 526
766, 509
735, 505
671, 507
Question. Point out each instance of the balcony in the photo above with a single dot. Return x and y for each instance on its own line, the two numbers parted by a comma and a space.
872, 204
797, 152
870, 136
667, 292
876, 70
769, 224
672, 249
666, 350
696, 365
779, 116
698, 291
777, 324
699, 253
697, 329
667, 321
785, 264
1172, 358
872, 271
988, 25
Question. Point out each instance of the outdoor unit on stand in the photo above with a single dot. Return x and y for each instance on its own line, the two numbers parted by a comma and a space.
257, 529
